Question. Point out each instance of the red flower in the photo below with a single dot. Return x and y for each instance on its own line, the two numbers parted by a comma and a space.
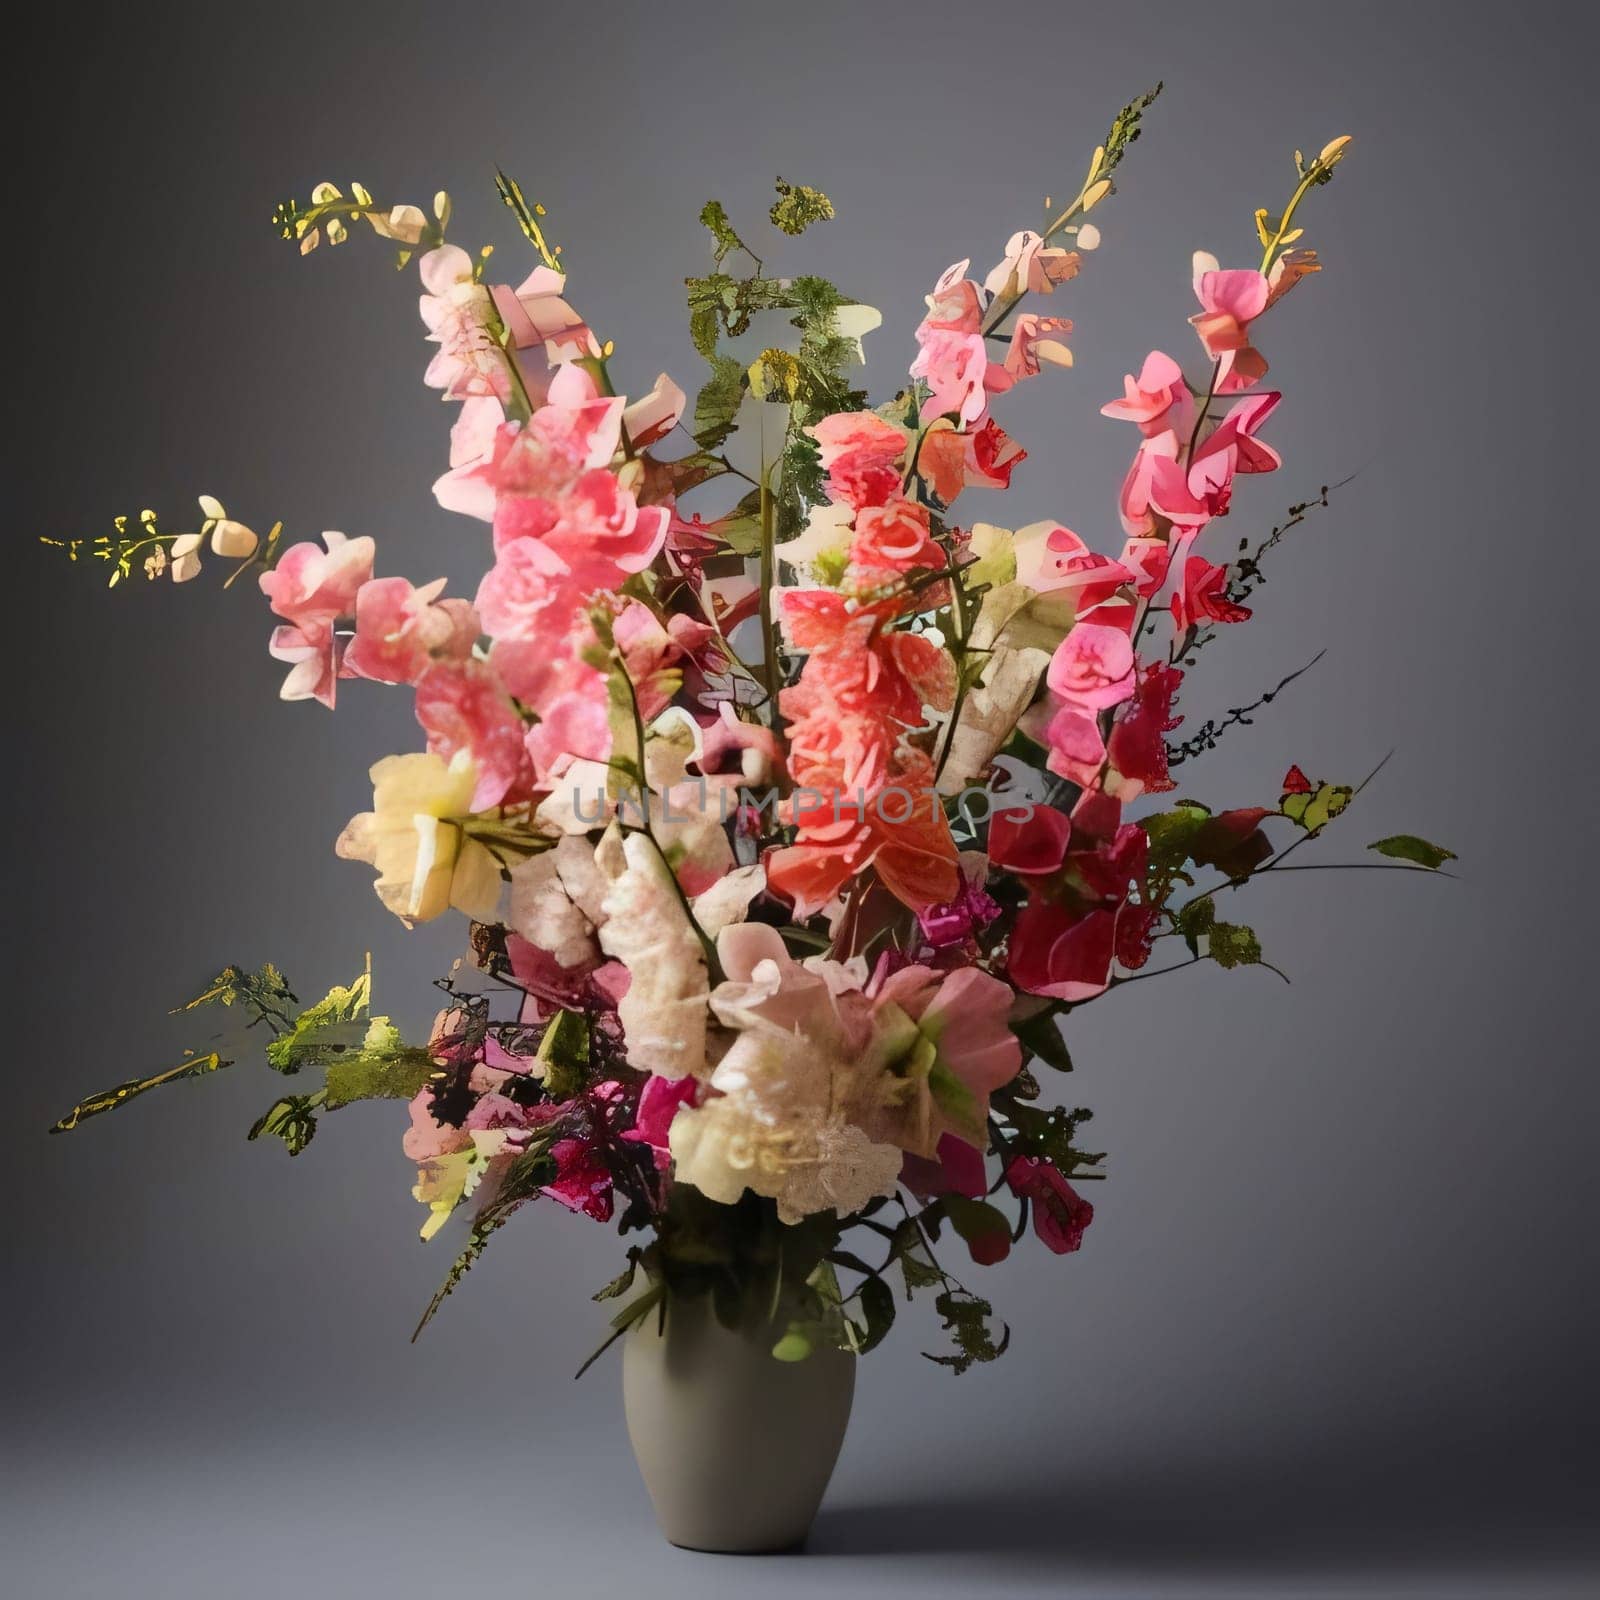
1138, 742
1060, 1214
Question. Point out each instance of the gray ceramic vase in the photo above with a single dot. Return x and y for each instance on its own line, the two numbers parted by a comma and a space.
736, 1448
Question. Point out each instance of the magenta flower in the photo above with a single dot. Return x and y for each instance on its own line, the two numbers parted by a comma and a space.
1060, 1214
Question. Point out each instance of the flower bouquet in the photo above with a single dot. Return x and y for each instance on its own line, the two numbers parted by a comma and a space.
789, 802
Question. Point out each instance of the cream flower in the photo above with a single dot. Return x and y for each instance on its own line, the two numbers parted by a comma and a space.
989, 713
779, 1123
413, 835
646, 927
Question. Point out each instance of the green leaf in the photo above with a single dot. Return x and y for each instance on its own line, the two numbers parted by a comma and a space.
564, 1051
1316, 810
623, 1281
966, 1319
1231, 944
985, 1228
381, 1072
292, 1119
324, 1030
521, 1181
1041, 1037
1195, 919
1408, 847
1049, 1133
877, 1307
113, 1099
1170, 834
717, 404
1125, 128
724, 241
798, 206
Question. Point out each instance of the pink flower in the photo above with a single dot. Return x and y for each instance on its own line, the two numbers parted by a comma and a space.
1093, 667
1061, 563
964, 1013
457, 311
312, 589
1077, 748
401, 630
572, 726
462, 705
860, 453
954, 359
1204, 596
659, 1102
893, 538
1288, 270
1034, 340
1031, 266
1157, 400
526, 592
1060, 1214
534, 313
308, 582
949, 461
1233, 447
1064, 946
1157, 454
1062, 954
1229, 302
468, 487
1147, 560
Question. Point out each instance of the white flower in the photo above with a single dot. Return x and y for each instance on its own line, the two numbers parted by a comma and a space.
779, 1122
646, 927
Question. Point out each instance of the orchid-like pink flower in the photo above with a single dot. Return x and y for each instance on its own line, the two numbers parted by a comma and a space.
1062, 564
1031, 844
1138, 742
1204, 596
312, 589
457, 311
1229, 302
954, 359
462, 705
653, 416
402, 630
468, 487
535, 313
1157, 400
1077, 748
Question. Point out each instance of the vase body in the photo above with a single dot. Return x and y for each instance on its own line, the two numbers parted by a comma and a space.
736, 1448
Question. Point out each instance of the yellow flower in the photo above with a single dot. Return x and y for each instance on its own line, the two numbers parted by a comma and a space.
415, 838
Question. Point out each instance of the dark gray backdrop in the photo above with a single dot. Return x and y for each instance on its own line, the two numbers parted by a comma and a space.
1332, 1323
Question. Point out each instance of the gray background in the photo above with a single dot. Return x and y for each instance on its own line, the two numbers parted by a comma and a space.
1332, 1328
